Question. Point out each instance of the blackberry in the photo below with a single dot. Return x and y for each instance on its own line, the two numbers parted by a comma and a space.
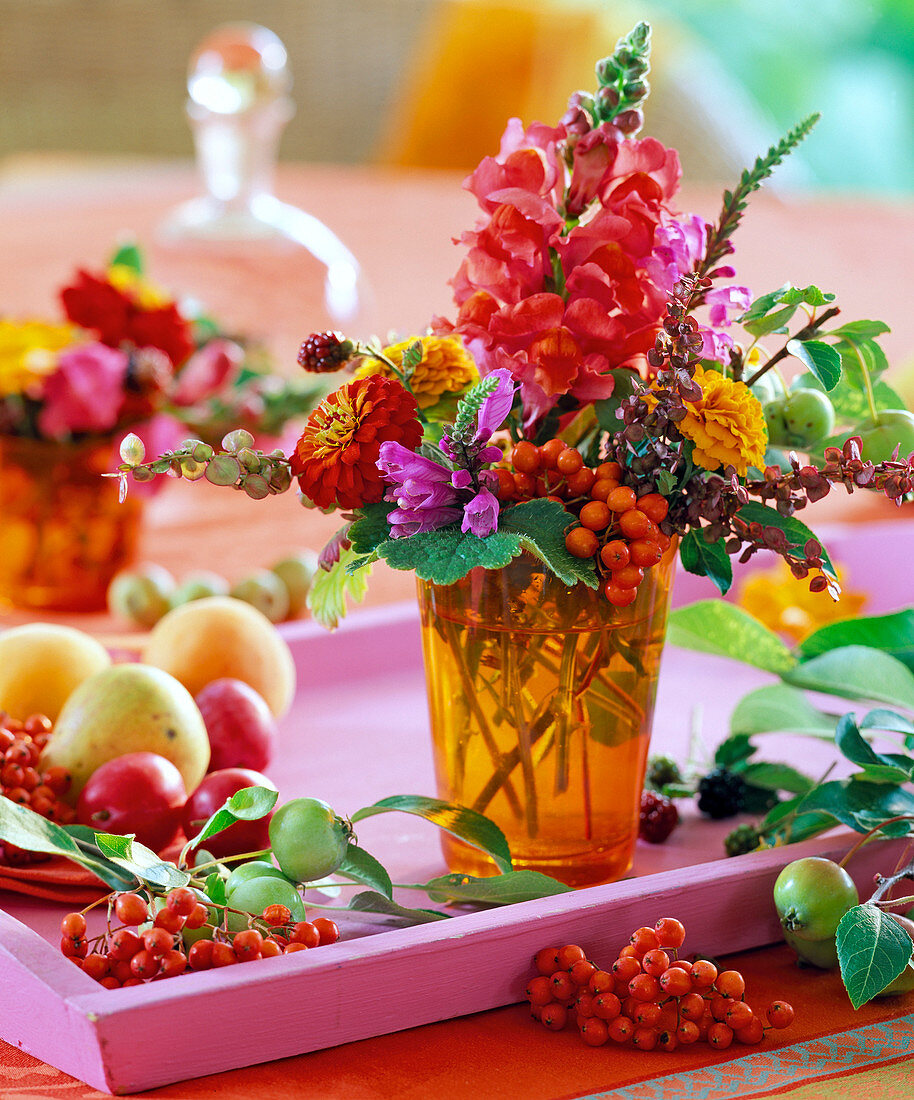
662, 770
324, 352
659, 817
721, 793
744, 838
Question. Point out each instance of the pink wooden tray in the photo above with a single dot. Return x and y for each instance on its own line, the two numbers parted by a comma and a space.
358, 732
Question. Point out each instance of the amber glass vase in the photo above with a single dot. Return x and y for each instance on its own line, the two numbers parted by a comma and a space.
541, 699
63, 534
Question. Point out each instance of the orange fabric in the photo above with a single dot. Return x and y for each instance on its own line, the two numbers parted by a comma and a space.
503, 1055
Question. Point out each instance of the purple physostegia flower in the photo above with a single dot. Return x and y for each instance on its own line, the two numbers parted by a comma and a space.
429, 495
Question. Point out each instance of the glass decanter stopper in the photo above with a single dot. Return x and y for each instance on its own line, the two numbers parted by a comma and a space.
254, 262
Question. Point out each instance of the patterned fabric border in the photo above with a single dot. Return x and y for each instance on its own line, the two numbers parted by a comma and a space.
765, 1072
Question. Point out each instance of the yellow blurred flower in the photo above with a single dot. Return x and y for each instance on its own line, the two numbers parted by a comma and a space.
28, 352
446, 367
785, 605
128, 281
727, 425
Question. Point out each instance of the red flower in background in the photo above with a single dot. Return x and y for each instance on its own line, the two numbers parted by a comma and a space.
335, 457
96, 305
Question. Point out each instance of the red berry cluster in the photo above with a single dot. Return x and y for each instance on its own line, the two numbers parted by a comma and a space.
23, 780
121, 956
616, 526
324, 352
648, 998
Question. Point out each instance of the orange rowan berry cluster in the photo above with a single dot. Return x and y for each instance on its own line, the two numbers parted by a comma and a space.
649, 998
616, 526
23, 780
128, 955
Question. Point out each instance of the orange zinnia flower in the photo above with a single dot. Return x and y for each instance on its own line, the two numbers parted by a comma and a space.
335, 458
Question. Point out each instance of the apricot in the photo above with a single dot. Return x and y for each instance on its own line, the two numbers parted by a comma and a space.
41, 664
220, 637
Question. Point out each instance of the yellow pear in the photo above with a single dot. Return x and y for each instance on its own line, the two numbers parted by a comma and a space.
129, 708
41, 664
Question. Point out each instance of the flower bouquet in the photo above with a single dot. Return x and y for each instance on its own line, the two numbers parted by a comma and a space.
127, 356
605, 397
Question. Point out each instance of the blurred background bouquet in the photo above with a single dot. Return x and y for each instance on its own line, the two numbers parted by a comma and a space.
125, 356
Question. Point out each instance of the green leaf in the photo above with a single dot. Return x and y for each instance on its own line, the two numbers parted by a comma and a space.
856, 672
892, 634
764, 303
446, 555
541, 526
859, 804
472, 827
820, 358
706, 559
880, 719
504, 889
798, 534
27, 830
771, 322
780, 708
894, 768
369, 901
371, 528
333, 588
856, 330
873, 949
361, 866
128, 255
140, 861
860, 355
734, 751
715, 626
214, 888
248, 804
777, 777
810, 296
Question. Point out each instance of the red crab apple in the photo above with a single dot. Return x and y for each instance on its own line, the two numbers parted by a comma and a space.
139, 792
243, 836
240, 725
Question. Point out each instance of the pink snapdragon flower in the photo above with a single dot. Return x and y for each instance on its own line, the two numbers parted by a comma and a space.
85, 393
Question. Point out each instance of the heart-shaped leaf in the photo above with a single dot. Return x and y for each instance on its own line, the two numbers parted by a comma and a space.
248, 804
873, 949
819, 358
140, 861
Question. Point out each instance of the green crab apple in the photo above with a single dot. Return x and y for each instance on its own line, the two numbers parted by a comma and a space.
802, 419
811, 896
880, 436
308, 840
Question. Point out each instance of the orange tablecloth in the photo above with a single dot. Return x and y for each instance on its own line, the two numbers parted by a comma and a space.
400, 226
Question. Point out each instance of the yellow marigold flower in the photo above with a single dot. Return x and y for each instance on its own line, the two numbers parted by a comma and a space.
28, 352
446, 367
785, 605
146, 294
727, 425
